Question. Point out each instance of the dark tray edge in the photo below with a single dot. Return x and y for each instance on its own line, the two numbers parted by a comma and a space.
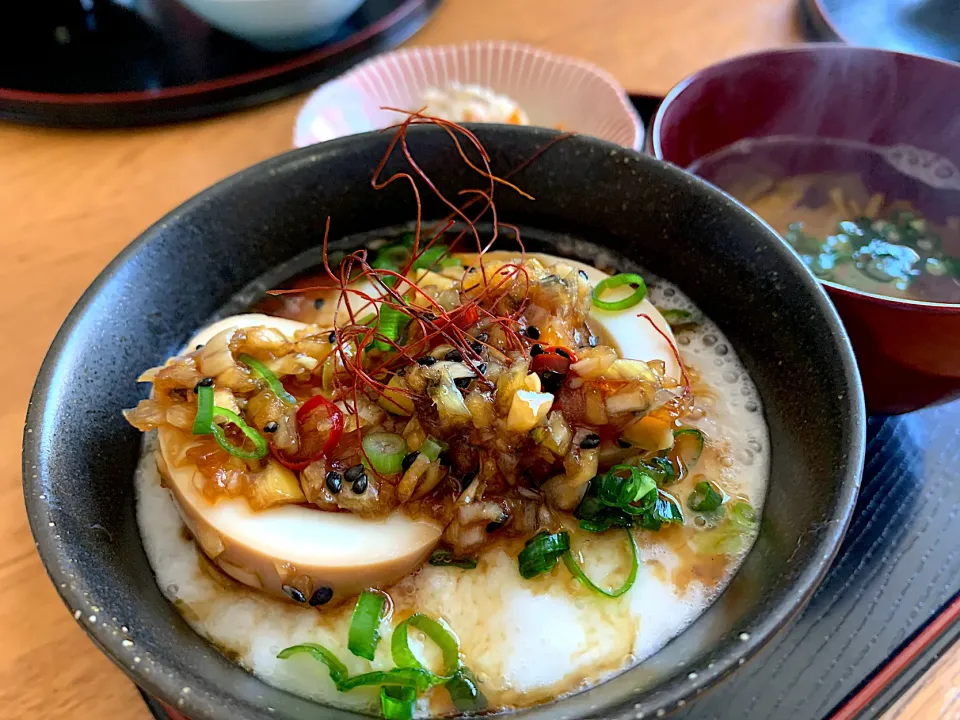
904, 667
199, 100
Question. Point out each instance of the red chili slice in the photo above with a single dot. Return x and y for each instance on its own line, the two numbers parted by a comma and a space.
555, 358
550, 361
470, 315
336, 432
557, 348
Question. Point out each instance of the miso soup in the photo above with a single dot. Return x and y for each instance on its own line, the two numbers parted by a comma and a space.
854, 213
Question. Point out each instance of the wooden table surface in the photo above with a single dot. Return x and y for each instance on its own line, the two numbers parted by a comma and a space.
71, 200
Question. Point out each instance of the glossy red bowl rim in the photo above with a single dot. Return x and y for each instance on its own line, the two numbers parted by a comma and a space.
656, 127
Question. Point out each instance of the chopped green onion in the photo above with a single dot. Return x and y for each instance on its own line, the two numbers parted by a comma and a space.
398, 677
430, 257
205, 425
444, 639
678, 318
385, 452
338, 671
595, 516
432, 448
665, 510
743, 514
399, 687
260, 448
541, 553
364, 633
661, 470
578, 573
204, 421
616, 281
619, 492
465, 693
396, 703
445, 558
704, 498
655, 509
688, 444
391, 257
272, 381
392, 322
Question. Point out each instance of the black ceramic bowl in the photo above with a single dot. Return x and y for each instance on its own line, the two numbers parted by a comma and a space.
79, 454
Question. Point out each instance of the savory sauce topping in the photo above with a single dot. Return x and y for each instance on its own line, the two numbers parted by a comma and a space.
450, 482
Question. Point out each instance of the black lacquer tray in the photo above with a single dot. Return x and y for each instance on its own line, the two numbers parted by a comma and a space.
888, 607
120, 63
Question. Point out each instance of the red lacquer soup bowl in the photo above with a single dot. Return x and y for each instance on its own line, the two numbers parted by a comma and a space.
891, 119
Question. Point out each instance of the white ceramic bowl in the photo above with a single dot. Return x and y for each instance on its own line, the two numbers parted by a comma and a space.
555, 91
280, 25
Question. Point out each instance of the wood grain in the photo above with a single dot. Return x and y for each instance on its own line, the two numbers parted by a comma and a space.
71, 200
935, 695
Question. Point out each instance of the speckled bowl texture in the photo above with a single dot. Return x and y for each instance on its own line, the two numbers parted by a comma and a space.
79, 454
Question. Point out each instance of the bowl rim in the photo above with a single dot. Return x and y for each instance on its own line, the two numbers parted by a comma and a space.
658, 123
166, 684
301, 125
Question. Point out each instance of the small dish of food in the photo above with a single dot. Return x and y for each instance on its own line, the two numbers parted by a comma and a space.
495, 82
851, 155
430, 444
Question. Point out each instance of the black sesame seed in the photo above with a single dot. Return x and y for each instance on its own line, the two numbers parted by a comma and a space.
360, 484
533, 332
536, 350
623, 443
333, 481
476, 347
551, 380
321, 596
271, 427
453, 356
332, 337
199, 347
353, 473
483, 337
293, 593
408, 460
590, 441
463, 383
583, 274
318, 303
426, 361
563, 353
592, 342
206, 382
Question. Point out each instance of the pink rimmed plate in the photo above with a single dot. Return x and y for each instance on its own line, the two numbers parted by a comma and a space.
554, 91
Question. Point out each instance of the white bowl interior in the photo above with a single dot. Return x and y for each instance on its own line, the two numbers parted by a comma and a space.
555, 92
